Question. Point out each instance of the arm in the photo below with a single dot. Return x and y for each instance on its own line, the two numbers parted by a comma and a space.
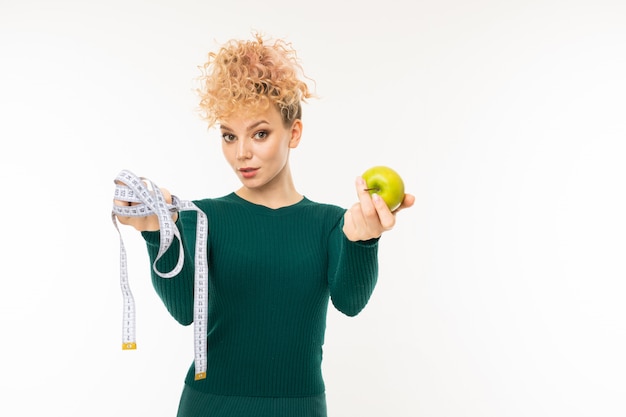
353, 249
353, 271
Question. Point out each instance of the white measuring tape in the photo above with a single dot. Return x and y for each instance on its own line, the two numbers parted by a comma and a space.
151, 201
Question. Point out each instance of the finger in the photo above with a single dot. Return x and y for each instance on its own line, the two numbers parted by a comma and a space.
121, 203
407, 202
166, 195
365, 198
385, 216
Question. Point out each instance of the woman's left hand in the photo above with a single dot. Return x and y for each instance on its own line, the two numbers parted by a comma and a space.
370, 217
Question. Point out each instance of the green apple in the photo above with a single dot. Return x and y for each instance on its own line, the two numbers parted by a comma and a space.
387, 183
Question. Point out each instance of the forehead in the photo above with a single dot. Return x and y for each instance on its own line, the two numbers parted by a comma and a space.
244, 118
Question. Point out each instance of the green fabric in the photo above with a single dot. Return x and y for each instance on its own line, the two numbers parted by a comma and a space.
201, 404
271, 274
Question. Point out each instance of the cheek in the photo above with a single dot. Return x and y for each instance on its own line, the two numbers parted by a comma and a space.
280, 154
269, 151
227, 151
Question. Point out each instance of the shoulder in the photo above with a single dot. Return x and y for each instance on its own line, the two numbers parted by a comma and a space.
209, 206
217, 203
325, 212
323, 207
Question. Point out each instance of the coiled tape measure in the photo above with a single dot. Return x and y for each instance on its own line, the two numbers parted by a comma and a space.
150, 201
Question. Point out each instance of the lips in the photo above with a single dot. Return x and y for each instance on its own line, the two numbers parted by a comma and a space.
248, 172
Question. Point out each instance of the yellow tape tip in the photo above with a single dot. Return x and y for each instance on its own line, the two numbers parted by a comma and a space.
129, 346
200, 375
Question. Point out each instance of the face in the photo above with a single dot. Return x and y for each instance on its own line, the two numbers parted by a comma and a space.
257, 148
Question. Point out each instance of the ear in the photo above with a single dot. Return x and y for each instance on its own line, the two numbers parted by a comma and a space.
296, 133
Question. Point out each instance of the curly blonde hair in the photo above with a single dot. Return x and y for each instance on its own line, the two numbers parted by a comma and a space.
249, 76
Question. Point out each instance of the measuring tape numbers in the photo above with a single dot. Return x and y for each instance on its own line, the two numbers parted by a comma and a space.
149, 200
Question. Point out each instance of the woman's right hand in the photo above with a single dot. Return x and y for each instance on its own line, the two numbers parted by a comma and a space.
147, 223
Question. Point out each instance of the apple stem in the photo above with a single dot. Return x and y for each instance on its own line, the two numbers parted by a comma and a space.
370, 189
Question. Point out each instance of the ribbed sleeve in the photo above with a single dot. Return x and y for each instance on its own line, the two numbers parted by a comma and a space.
352, 273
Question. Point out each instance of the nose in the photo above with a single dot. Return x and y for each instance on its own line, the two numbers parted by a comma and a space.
243, 150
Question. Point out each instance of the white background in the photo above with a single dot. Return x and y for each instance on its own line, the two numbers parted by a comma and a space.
501, 293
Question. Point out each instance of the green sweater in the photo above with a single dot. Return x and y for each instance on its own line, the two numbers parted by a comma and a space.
271, 274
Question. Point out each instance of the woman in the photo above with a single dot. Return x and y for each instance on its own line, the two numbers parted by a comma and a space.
275, 257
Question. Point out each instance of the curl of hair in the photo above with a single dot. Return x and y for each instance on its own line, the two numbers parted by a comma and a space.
249, 76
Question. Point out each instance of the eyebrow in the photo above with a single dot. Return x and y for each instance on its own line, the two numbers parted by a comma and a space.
251, 127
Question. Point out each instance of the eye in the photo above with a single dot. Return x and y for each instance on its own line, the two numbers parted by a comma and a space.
261, 134
228, 137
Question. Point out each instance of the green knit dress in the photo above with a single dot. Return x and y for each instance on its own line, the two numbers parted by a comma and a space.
271, 275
